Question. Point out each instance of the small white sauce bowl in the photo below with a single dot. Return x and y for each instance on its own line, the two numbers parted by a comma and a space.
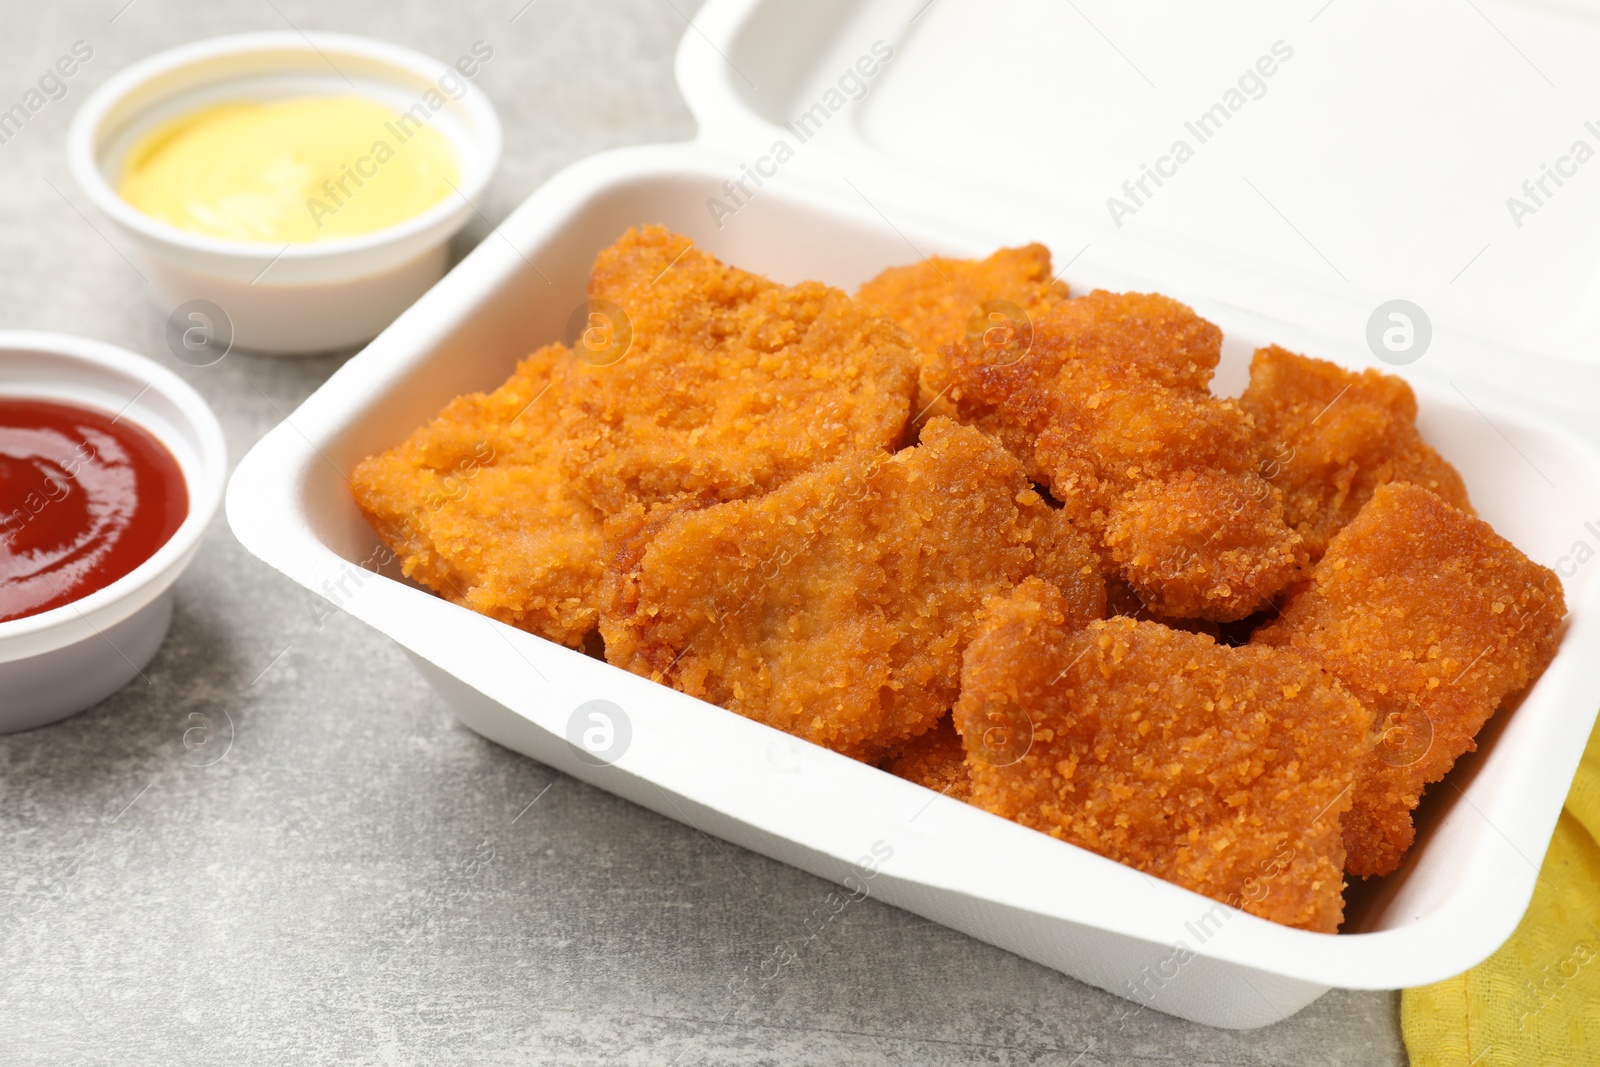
295, 298
58, 662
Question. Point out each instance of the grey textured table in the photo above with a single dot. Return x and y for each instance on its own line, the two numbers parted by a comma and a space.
362, 880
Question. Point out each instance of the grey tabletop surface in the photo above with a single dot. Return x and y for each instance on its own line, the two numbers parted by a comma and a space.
361, 879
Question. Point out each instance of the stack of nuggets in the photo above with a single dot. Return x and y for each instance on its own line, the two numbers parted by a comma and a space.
838, 606
1110, 408
873, 525
732, 385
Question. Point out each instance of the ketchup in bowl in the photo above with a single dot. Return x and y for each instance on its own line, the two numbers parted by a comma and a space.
84, 499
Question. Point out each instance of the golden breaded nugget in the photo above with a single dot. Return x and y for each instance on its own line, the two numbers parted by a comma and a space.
1202, 544
837, 606
1111, 405
1223, 770
1008, 392
936, 760
732, 384
1328, 437
1431, 619
477, 508
935, 302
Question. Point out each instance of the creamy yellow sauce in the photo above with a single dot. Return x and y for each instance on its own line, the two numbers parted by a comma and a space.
290, 171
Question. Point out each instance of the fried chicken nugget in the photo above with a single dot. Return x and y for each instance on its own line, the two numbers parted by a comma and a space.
837, 606
1008, 390
936, 760
728, 384
732, 383
1328, 437
477, 508
1431, 619
936, 299
1221, 769
1111, 405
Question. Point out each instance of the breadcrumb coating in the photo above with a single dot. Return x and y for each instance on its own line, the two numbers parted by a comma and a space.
1431, 619
936, 760
1328, 437
1202, 544
476, 507
1224, 770
733, 384
1140, 336
837, 606
1123, 602
935, 301
1111, 409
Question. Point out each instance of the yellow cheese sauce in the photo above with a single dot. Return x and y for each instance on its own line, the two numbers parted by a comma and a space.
289, 171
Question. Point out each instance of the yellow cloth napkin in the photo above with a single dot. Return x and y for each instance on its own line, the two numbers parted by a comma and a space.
1536, 1002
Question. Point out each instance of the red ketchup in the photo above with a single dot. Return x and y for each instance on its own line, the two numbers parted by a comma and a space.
84, 499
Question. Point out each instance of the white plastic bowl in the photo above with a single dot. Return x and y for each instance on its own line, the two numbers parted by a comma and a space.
58, 662
295, 298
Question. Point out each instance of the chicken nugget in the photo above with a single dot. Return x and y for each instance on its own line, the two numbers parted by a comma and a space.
837, 606
1110, 408
1202, 544
477, 508
731, 385
936, 300
1008, 390
1223, 770
1328, 437
936, 760
1431, 619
